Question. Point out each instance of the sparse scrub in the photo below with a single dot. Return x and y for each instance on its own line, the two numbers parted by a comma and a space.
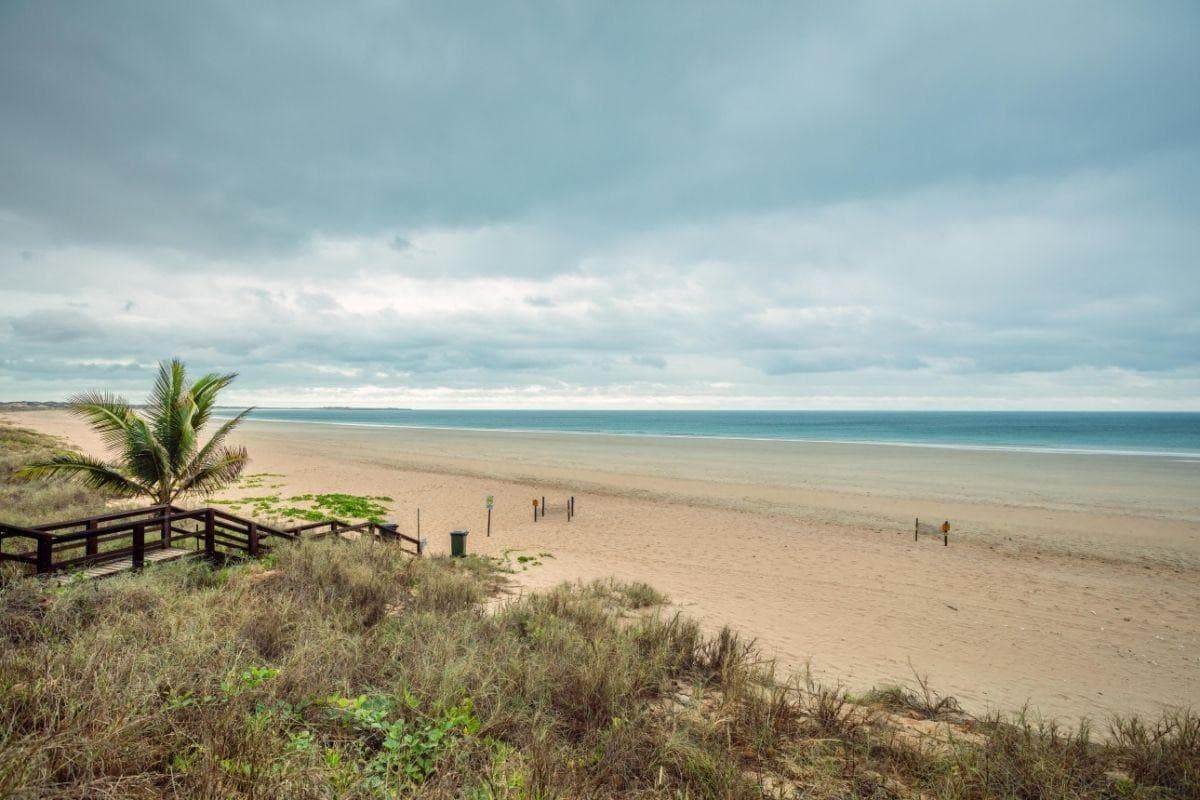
347, 669
923, 701
642, 595
1031, 758
1164, 754
30, 502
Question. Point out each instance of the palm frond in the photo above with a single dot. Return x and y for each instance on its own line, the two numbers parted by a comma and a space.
216, 440
170, 411
204, 392
107, 413
91, 471
144, 456
223, 467
185, 421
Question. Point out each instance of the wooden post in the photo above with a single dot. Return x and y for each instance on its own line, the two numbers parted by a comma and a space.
916, 527
45, 553
418, 523
489, 525
93, 546
139, 545
252, 536
543, 506
210, 533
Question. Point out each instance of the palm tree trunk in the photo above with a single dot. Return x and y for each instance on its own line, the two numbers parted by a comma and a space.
164, 499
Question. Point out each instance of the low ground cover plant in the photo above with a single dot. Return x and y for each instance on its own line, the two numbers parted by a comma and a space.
311, 507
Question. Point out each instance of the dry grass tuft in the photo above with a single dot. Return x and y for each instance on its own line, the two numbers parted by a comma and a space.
922, 702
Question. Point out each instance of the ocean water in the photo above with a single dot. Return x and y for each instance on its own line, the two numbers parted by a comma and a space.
1171, 434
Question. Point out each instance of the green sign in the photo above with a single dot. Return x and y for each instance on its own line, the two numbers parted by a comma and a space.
491, 501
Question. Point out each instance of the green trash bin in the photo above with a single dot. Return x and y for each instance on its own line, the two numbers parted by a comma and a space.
458, 544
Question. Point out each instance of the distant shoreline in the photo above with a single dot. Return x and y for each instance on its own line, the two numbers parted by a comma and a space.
1179, 455
266, 415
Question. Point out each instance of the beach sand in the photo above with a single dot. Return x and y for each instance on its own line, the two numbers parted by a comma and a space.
1070, 583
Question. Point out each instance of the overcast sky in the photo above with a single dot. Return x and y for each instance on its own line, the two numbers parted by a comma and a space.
752, 205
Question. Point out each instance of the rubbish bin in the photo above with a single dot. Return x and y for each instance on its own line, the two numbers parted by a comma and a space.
458, 544
389, 530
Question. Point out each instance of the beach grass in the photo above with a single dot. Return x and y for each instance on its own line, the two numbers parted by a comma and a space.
40, 500
347, 669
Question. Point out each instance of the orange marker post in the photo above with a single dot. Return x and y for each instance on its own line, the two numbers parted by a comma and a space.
535, 505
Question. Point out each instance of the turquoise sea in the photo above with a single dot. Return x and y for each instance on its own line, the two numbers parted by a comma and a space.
1172, 434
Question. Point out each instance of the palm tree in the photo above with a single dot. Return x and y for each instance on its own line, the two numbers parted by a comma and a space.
159, 452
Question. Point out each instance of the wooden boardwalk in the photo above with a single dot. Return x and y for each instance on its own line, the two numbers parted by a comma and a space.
108, 568
113, 543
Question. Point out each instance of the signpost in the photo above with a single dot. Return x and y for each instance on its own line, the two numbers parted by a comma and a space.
490, 502
535, 509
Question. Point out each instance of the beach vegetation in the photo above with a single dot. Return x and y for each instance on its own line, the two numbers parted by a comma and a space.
158, 450
27, 502
348, 669
311, 507
920, 699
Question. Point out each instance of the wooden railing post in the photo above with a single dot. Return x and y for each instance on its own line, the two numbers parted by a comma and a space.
252, 536
139, 545
45, 553
210, 533
92, 546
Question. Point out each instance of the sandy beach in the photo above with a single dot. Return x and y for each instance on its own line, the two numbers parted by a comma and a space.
1070, 583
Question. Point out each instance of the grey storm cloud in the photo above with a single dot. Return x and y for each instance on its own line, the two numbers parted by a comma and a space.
53, 327
718, 203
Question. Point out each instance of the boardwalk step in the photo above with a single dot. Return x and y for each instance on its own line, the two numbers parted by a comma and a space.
125, 564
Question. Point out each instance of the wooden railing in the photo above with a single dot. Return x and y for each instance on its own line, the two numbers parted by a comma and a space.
132, 534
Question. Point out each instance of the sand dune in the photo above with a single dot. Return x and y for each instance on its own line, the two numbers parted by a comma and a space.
1070, 582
